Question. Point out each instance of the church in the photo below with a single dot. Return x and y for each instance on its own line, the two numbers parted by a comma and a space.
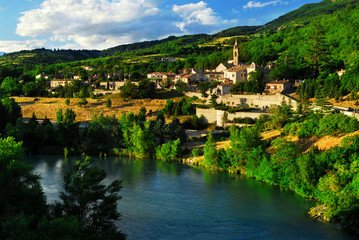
233, 71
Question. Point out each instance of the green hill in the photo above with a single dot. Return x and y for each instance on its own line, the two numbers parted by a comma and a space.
308, 13
199, 46
46, 56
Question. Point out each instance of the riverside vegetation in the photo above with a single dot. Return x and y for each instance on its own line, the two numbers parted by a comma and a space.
330, 176
311, 43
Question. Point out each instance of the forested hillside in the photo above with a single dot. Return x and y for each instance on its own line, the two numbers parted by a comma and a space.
309, 43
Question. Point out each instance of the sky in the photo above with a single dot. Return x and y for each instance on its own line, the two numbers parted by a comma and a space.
101, 24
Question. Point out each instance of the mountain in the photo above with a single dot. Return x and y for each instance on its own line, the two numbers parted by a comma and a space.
47, 56
299, 17
308, 13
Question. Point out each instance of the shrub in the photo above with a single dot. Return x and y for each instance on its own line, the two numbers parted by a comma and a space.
108, 103
196, 152
67, 101
82, 102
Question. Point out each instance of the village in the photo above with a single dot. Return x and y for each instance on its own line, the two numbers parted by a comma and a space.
225, 76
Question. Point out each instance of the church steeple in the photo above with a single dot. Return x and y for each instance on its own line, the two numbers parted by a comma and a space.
235, 54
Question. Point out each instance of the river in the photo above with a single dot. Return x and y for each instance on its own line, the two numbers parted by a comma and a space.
164, 200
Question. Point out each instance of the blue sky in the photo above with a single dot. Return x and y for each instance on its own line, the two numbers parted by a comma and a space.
100, 24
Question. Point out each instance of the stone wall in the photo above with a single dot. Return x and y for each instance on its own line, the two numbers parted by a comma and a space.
261, 101
216, 116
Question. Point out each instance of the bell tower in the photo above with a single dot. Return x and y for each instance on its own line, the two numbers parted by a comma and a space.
235, 54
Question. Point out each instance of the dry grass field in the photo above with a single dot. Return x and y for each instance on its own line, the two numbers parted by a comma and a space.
47, 107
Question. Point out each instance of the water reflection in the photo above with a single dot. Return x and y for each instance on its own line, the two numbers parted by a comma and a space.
163, 200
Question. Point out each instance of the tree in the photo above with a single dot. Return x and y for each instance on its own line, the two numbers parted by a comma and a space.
147, 89
213, 100
210, 151
108, 103
317, 48
22, 201
181, 87
11, 86
169, 151
256, 80
129, 90
281, 114
91, 202
10, 111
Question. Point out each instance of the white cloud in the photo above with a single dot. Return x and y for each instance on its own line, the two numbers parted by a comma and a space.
196, 15
88, 23
253, 4
12, 46
100, 24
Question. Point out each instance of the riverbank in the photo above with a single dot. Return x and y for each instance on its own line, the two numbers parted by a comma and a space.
307, 148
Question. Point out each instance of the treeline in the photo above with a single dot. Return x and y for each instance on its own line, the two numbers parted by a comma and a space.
131, 134
329, 176
314, 51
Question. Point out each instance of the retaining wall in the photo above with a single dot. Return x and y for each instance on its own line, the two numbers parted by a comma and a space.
216, 116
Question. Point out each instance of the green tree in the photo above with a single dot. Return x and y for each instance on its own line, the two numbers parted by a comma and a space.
22, 201
213, 100
281, 114
210, 151
11, 86
169, 151
129, 90
146, 89
316, 48
108, 103
181, 87
90, 201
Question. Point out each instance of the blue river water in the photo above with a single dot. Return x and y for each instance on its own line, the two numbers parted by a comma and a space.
162, 200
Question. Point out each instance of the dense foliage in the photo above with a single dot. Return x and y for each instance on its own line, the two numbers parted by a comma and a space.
329, 176
88, 209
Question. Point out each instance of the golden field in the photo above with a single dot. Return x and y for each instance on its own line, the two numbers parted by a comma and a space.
47, 107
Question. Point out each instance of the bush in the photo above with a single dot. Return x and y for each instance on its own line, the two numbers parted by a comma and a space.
336, 123
82, 102
67, 101
196, 152
108, 103
169, 151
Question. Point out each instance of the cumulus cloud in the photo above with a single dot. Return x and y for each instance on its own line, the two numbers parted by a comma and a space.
253, 4
197, 15
12, 46
100, 24
88, 23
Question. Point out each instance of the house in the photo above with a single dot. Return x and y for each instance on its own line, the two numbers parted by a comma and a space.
188, 78
43, 75
169, 76
223, 89
88, 68
253, 67
76, 77
341, 72
191, 75
157, 75
59, 82
214, 76
222, 67
236, 74
278, 86
112, 85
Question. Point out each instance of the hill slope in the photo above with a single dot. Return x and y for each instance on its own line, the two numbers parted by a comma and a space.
301, 16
